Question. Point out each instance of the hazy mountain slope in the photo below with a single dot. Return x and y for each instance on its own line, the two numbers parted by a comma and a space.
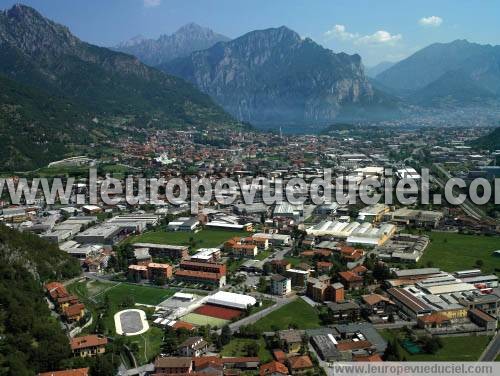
272, 76
452, 89
41, 53
36, 128
490, 141
379, 68
54, 85
428, 64
184, 41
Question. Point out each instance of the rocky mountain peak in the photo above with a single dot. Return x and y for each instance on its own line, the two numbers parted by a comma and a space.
190, 37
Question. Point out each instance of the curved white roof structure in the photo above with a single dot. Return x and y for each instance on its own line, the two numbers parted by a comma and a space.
229, 299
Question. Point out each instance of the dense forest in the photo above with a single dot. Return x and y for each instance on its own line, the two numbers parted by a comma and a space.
490, 141
31, 340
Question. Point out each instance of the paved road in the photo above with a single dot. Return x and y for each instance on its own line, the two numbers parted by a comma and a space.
493, 349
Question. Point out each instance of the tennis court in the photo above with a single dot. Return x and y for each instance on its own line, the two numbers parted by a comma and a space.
218, 312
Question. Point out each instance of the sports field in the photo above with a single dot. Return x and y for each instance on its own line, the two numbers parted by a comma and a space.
122, 295
201, 320
218, 312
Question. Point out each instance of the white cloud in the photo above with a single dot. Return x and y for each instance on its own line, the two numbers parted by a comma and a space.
431, 21
380, 37
151, 3
340, 32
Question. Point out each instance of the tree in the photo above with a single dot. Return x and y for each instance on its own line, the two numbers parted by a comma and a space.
225, 335
431, 345
102, 366
262, 285
252, 349
170, 342
381, 272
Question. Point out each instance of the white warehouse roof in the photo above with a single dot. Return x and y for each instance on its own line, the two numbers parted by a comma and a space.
230, 299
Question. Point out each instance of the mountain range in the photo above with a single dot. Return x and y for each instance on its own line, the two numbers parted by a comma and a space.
375, 70
184, 41
61, 95
45, 69
457, 73
274, 77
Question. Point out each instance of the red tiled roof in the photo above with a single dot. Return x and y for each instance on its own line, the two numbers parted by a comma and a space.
273, 368
324, 264
279, 355
367, 358
373, 299
56, 290
350, 276
74, 310
198, 274
352, 345
300, 362
67, 372
87, 341
436, 318
359, 269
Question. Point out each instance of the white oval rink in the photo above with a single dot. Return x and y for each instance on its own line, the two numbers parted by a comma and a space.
131, 322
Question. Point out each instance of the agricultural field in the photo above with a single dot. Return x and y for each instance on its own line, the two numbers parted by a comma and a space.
452, 252
201, 239
297, 313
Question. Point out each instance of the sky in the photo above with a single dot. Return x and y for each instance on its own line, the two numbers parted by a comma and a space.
378, 30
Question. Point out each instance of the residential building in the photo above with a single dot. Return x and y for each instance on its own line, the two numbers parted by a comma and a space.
291, 340
346, 311
377, 305
173, 365
193, 346
280, 266
90, 345
273, 368
211, 267
274, 239
174, 252
67, 372
137, 272
74, 312
351, 280
300, 365
280, 285
206, 278
159, 271
320, 289
207, 255
298, 277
